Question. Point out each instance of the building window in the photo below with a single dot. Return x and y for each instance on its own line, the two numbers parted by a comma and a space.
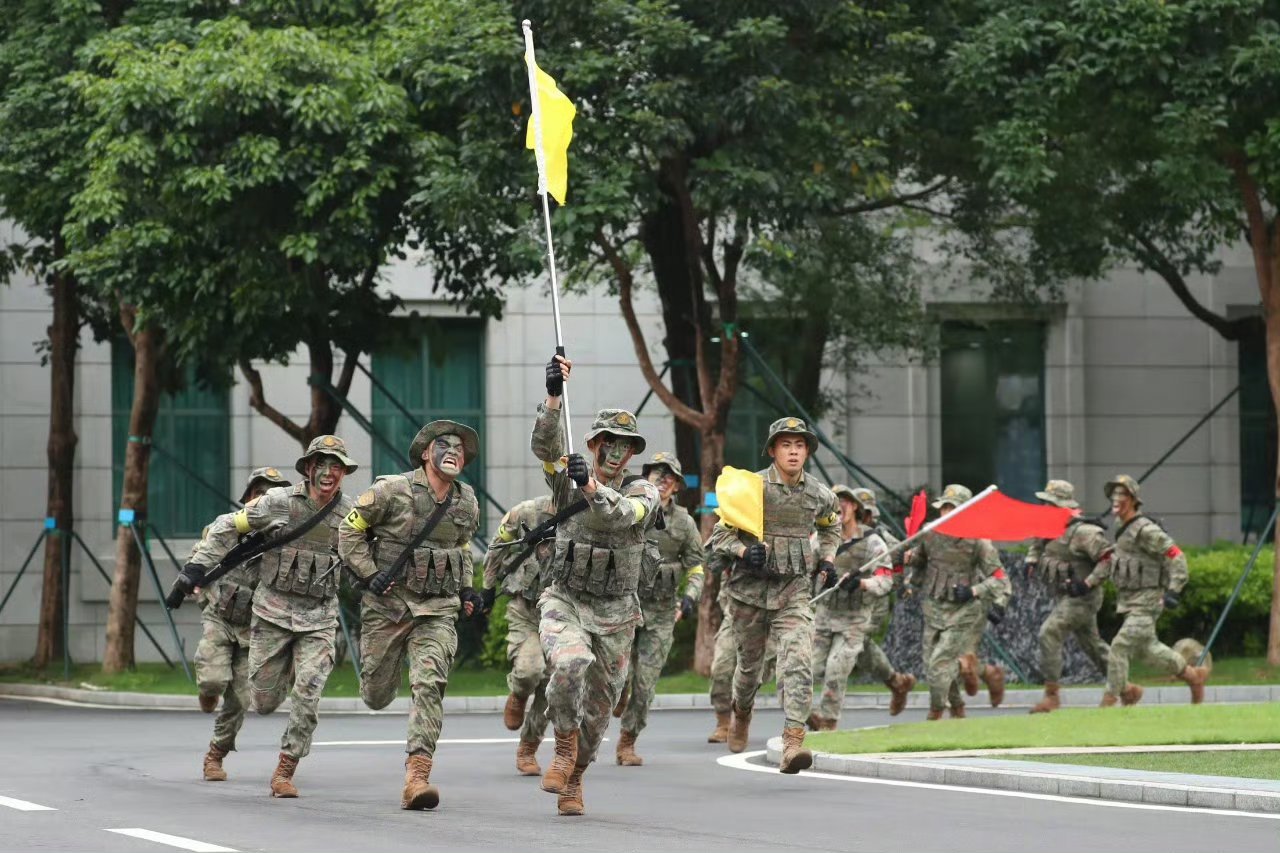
1257, 434
993, 405
438, 373
194, 426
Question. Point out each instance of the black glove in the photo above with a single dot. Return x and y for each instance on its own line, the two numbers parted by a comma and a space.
555, 379
490, 596
1077, 588
1171, 599
996, 614
826, 574
184, 584
467, 595
962, 593
579, 471
851, 581
381, 582
753, 559
686, 607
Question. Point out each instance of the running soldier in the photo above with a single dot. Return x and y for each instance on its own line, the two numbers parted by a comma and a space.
222, 658
590, 611
769, 587
1149, 571
523, 582
1072, 556
674, 558
724, 656
409, 539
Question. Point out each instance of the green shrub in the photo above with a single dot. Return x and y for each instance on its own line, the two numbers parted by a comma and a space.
493, 652
1214, 574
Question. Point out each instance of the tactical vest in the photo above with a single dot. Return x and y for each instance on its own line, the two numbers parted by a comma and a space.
662, 569
531, 577
788, 524
591, 558
232, 597
434, 569
1134, 568
1058, 563
951, 561
307, 565
849, 560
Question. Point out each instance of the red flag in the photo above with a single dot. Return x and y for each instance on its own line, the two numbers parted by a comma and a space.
1005, 519
919, 508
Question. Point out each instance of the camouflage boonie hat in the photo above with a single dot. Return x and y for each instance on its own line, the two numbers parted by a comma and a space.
953, 495
617, 422
840, 490
1059, 493
1130, 485
663, 458
866, 499
330, 445
790, 426
435, 429
266, 475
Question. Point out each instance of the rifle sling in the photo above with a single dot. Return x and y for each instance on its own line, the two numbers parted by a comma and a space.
234, 559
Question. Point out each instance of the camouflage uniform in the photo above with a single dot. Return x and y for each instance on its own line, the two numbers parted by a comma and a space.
590, 610
938, 563
295, 605
523, 584
777, 603
724, 659
873, 661
416, 616
674, 555
845, 618
1145, 565
222, 657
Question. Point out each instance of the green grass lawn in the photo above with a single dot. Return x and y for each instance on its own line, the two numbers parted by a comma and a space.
1248, 765
1171, 724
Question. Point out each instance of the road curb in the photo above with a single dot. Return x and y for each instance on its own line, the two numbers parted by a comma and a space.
1053, 779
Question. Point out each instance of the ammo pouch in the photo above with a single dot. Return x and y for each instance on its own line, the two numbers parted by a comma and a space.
595, 570
234, 603
430, 571
1057, 572
1138, 571
659, 581
301, 571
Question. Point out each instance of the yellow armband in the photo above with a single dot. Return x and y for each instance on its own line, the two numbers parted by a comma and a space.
356, 520
828, 520
641, 508
241, 520
696, 570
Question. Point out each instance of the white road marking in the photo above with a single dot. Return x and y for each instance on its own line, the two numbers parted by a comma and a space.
742, 762
174, 841
24, 806
445, 740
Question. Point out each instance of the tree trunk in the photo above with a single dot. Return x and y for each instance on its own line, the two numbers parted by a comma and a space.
123, 607
709, 615
1272, 312
815, 330
61, 451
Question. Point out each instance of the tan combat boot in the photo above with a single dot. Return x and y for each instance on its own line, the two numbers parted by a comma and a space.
282, 779
527, 758
557, 775
1050, 702
208, 703
570, 802
829, 725
721, 732
969, 673
623, 700
213, 771
513, 712
626, 754
993, 677
739, 729
418, 793
934, 714
1108, 701
794, 756
900, 684
957, 711
1131, 695
1195, 676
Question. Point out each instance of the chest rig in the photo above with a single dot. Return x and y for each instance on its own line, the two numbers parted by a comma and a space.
307, 565
591, 557
1059, 563
1134, 567
437, 564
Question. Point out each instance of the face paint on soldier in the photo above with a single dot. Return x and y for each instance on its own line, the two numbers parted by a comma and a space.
325, 473
848, 516
446, 456
1122, 504
612, 454
789, 453
665, 480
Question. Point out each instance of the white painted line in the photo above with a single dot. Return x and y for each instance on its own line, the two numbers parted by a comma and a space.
24, 806
457, 741
742, 762
174, 841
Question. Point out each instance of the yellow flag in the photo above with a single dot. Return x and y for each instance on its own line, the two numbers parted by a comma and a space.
556, 113
740, 495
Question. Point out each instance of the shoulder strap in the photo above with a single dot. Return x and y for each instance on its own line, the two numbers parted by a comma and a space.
254, 545
433, 521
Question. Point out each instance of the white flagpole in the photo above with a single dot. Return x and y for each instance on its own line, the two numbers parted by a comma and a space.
541, 157
913, 537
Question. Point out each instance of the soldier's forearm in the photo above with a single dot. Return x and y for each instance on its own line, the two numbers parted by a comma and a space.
547, 441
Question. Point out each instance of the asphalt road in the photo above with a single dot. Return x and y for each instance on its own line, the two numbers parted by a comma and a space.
98, 770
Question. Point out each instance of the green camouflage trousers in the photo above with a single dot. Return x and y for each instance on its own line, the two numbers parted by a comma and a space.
950, 630
648, 656
430, 642
528, 675
1076, 617
874, 662
222, 669
587, 672
724, 662
835, 653
275, 655
791, 628
1137, 638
